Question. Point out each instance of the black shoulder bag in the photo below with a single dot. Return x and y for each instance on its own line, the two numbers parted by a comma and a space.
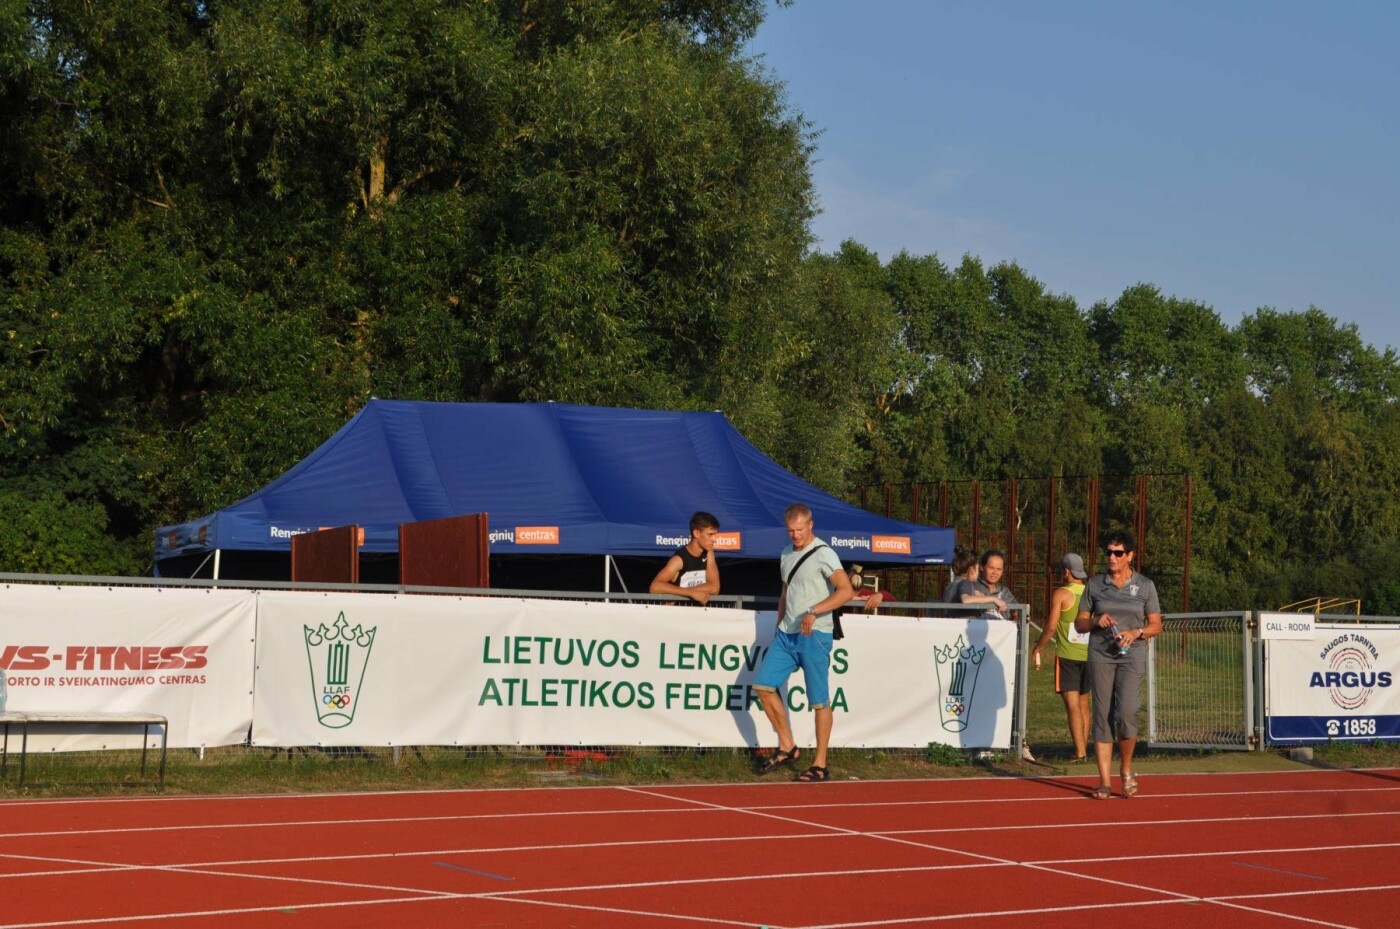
836, 631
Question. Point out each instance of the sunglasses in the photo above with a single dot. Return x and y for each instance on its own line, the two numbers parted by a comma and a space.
1115, 552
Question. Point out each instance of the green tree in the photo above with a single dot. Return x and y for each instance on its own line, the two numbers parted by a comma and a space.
225, 226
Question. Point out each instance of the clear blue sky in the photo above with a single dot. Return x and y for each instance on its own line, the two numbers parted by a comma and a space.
1241, 153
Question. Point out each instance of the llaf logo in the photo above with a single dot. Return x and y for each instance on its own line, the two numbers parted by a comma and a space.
957, 666
338, 658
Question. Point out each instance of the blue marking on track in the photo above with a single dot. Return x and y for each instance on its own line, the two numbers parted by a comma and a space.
457, 867
1259, 867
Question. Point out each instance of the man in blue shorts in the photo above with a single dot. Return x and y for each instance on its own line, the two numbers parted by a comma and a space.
814, 584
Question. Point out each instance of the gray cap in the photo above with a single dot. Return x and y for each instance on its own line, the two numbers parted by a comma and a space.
1075, 565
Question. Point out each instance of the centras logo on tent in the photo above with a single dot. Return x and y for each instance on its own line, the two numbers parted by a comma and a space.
536, 535
891, 544
1350, 676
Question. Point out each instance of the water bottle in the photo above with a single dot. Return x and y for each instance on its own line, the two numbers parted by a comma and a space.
1119, 650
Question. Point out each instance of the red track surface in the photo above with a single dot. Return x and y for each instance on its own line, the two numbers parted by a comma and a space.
1190, 851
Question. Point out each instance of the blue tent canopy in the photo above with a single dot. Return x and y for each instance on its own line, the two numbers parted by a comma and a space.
554, 479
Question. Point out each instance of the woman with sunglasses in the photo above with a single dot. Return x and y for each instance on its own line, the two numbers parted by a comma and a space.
1120, 611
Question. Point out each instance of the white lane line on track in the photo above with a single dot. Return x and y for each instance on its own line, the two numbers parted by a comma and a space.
423, 895
819, 836
828, 832
691, 807
1158, 856
1195, 821
1310, 892
332, 796
474, 850
1119, 914
834, 831
194, 914
308, 859
1138, 886
378, 820
119, 868
741, 878
840, 830
315, 797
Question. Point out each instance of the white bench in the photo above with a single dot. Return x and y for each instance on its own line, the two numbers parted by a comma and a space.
24, 720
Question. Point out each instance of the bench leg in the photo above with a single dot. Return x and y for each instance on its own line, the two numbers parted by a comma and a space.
145, 737
23, 750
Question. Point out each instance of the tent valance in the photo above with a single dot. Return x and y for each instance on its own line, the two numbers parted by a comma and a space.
554, 478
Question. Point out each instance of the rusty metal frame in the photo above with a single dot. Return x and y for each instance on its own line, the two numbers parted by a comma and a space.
1163, 533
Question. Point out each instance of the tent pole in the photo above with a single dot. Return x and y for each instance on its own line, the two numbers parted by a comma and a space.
607, 574
217, 553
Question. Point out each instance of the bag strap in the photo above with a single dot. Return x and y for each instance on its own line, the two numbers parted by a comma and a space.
793, 572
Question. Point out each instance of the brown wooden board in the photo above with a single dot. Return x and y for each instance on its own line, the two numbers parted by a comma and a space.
330, 556
451, 552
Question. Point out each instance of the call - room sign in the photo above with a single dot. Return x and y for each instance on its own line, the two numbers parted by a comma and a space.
1286, 626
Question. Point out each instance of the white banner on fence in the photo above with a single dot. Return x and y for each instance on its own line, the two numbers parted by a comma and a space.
340, 669
185, 654
1340, 686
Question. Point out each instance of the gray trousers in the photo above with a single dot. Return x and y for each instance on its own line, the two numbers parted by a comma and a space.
1117, 690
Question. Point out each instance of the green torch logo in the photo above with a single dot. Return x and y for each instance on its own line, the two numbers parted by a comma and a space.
338, 658
957, 666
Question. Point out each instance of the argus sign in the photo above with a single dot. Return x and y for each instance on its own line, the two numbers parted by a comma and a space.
1340, 686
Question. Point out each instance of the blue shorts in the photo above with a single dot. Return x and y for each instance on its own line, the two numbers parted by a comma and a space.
792, 650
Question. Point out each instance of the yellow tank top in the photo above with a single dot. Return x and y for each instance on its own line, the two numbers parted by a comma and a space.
1071, 645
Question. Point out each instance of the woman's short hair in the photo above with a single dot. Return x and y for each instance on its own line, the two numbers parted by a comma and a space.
963, 559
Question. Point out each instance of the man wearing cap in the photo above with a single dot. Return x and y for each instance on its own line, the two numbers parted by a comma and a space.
1071, 652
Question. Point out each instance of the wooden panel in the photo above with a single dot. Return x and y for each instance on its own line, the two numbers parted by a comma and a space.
330, 556
451, 552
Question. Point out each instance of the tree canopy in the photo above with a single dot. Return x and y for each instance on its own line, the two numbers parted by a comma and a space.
225, 225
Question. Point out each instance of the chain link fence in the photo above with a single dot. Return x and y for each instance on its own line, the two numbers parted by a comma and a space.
1198, 695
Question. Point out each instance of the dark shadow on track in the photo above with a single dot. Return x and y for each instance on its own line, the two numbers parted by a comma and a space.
1361, 772
1026, 771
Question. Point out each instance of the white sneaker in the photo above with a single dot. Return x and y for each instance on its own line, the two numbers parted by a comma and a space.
1026, 753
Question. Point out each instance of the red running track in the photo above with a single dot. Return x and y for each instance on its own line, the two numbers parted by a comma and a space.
1319, 848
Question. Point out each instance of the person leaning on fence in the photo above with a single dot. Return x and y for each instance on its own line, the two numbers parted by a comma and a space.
693, 570
964, 575
988, 587
1120, 610
814, 584
1071, 652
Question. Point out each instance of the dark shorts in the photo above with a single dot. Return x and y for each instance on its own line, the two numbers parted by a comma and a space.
1071, 676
